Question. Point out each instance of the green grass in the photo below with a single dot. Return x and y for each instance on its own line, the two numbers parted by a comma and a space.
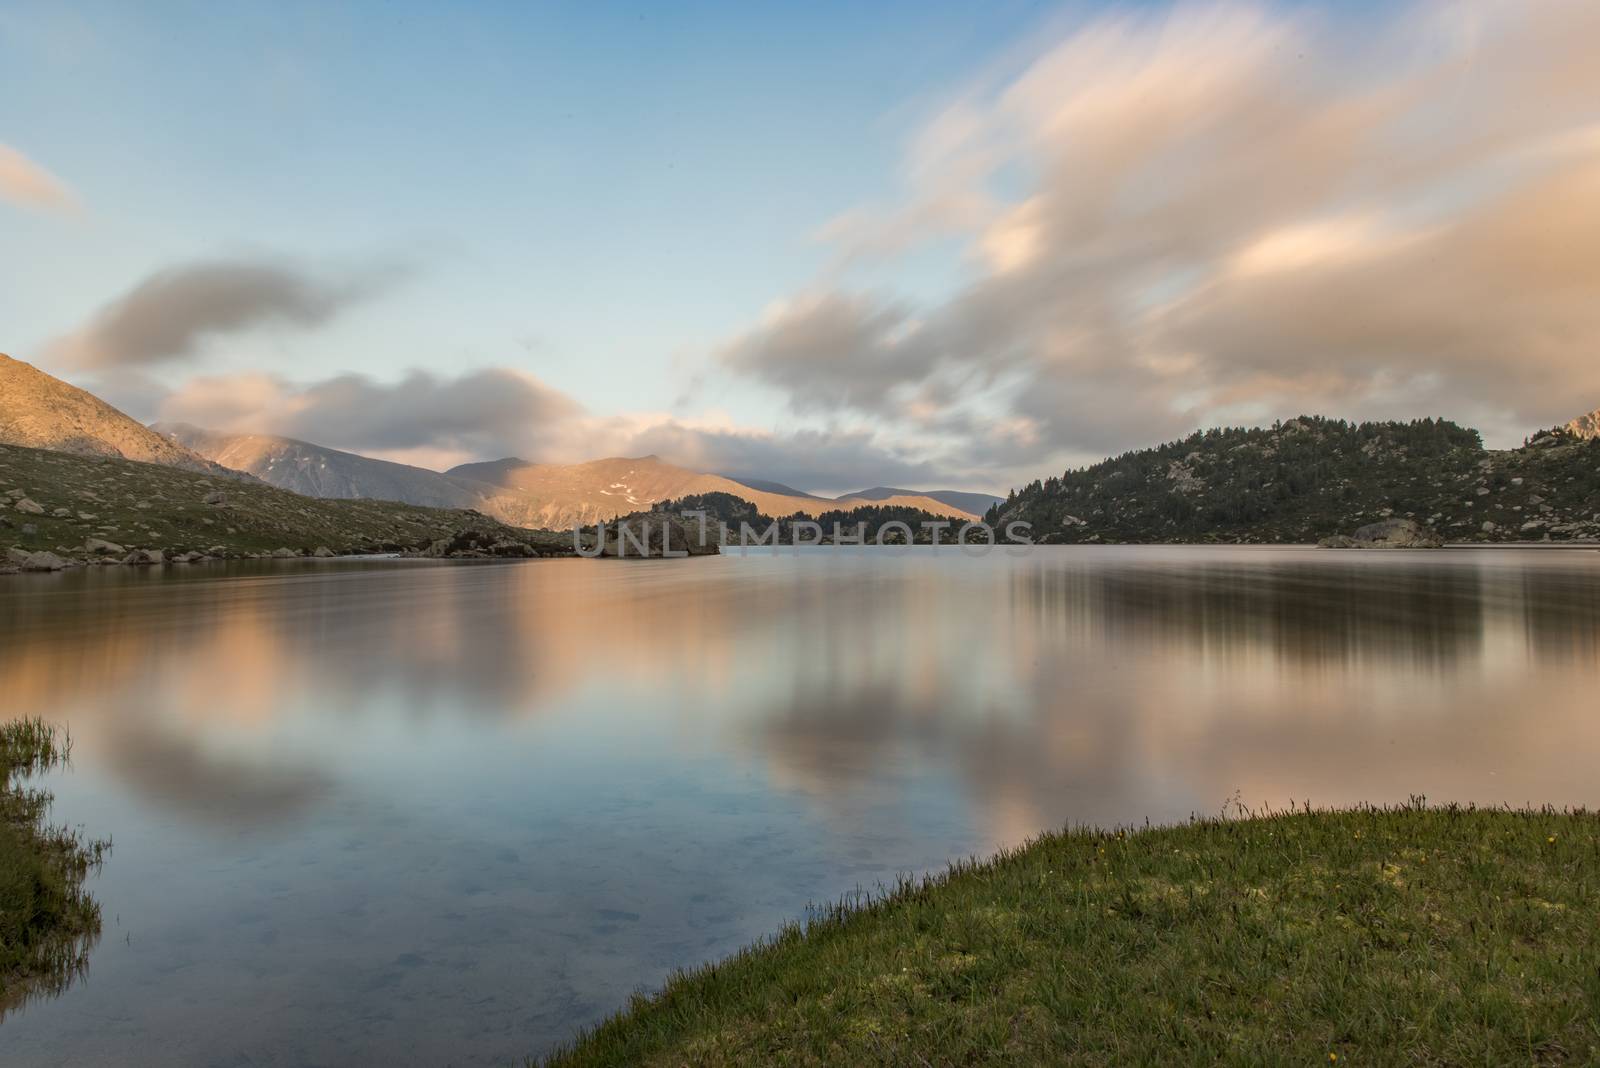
1413, 935
47, 921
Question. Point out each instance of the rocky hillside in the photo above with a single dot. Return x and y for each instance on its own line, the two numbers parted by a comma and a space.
43, 412
1585, 426
1312, 478
98, 508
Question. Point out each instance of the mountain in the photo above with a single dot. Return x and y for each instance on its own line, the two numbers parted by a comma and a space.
316, 471
768, 486
603, 489
1311, 477
973, 503
42, 412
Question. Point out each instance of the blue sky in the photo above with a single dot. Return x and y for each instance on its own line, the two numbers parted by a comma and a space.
581, 189
714, 227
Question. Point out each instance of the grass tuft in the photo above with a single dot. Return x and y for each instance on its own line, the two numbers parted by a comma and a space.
1413, 934
48, 923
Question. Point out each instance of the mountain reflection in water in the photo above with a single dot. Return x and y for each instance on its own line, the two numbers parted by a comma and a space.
421, 812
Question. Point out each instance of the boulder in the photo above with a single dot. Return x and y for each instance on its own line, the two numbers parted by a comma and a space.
16, 556
215, 498
100, 545
142, 557
43, 561
285, 554
1387, 534
28, 506
323, 552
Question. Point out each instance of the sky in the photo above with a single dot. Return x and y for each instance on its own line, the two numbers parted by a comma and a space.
936, 245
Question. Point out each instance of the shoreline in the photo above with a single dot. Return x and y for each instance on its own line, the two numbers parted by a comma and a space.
162, 562
1410, 934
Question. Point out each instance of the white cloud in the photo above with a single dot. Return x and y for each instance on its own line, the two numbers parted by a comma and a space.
1202, 211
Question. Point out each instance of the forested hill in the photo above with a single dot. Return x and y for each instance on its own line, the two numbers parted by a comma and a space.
1310, 477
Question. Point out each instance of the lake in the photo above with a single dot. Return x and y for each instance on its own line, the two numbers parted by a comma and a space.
424, 813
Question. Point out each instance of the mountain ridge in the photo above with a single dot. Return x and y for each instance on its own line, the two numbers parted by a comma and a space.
617, 485
40, 411
966, 500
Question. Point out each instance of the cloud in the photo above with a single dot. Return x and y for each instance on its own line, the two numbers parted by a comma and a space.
24, 182
1226, 213
169, 314
492, 412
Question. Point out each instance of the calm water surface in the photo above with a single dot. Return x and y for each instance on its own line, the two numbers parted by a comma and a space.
415, 813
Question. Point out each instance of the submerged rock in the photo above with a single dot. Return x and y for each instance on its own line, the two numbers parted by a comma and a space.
1386, 534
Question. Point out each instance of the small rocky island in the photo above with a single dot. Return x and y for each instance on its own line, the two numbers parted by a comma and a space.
652, 534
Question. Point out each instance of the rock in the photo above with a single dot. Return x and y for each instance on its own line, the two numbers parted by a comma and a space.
1394, 534
216, 498
28, 530
323, 552
100, 545
1489, 526
471, 543
16, 494
284, 554
43, 561
87, 517
27, 506
62, 513
1337, 541
16, 556
143, 557
186, 558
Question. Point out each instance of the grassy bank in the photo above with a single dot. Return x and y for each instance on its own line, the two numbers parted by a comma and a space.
1413, 935
137, 505
47, 921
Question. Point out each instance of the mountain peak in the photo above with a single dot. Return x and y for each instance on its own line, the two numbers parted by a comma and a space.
40, 411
